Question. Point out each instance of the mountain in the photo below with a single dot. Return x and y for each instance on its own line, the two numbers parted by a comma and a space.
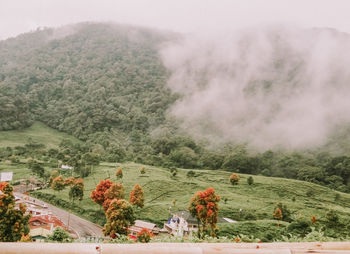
86, 80
149, 96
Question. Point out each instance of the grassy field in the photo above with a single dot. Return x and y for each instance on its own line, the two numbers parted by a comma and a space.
161, 189
302, 198
38, 132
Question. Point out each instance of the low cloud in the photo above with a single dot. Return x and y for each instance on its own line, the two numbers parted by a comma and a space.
271, 87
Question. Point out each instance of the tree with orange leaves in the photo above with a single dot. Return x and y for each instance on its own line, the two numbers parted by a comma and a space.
13, 222
120, 216
98, 195
234, 179
58, 183
277, 215
119, 173
204, 207
137, 196
144, 236
115, 191
2, 185
69, 181
313, 219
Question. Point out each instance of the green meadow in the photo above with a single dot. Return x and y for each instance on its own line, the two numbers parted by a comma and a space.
165, 194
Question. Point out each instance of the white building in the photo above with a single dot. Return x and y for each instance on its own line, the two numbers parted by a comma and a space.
181, 223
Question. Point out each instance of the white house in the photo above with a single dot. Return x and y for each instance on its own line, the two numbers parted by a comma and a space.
181, 223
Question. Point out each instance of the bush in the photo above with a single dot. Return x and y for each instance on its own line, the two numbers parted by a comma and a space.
234, 179
250, 216
332, 219
299, 227
286, 214
144, 236
250, 180
59, 235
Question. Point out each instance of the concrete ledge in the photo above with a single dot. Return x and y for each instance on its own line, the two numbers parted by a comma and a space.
176, 248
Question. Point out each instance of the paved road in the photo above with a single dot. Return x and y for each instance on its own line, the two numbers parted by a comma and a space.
82, 227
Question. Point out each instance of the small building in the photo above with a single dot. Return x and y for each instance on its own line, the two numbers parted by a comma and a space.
44, 225
66, 167
139, 225
181, 223
39, 234
48, 222
6, 176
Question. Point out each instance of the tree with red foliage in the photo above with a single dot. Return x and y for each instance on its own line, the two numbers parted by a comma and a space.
144, 236
277, 215
98, 195
137, 197
204, 207
69, 181
2, 185
115, 191
120, 216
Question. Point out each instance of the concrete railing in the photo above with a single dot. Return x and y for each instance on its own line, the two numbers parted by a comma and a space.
176, 248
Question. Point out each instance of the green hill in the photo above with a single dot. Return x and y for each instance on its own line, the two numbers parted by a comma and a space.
257, 201
106, 85
302, 198
38, 132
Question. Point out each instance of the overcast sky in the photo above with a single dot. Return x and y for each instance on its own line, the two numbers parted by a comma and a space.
18, 16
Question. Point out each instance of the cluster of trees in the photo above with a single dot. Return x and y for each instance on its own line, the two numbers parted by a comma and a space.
13, 222
102, 83
119, 212
58, 183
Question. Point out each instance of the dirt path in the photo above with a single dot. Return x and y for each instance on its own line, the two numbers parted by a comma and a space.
82, 227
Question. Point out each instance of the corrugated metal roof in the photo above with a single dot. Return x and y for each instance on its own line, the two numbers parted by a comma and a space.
144, 224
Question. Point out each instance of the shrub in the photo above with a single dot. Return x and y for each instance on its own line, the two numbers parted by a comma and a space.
234, 179
286, 214
59, 235
144, 236
332, 219
142, 170
173, 171
119, 173
191, 174
250, 216
299, 227
250, 180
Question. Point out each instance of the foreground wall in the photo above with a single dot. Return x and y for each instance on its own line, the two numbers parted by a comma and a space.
176, 248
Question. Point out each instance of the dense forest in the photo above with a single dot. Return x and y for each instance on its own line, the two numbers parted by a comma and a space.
106, 85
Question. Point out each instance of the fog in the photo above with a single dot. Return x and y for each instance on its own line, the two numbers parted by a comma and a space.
248, 71
185, 16
269, 87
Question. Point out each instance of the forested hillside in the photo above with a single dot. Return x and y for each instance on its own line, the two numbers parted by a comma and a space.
85, 79
105, 84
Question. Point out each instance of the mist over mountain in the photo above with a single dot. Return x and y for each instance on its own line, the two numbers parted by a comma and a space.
271, 101
269, 87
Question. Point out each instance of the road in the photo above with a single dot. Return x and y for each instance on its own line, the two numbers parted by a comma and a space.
82, 227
